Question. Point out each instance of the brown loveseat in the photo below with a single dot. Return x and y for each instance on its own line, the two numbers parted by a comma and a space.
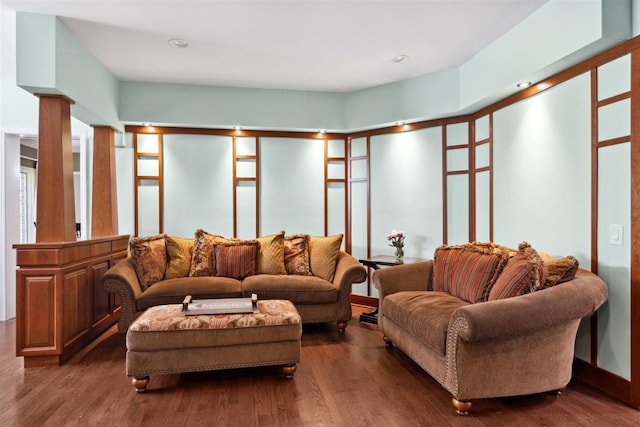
311, 272
520, 342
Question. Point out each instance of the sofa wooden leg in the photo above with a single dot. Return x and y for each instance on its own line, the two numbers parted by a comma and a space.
462, 406
387, 341
341, 327
140, 383
289, 370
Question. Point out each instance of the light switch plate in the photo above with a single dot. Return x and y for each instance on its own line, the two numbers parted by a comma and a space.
615, 234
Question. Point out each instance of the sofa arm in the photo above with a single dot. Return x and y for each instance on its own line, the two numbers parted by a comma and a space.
348, 271
572, 300
405, 277
122, 279
519, 345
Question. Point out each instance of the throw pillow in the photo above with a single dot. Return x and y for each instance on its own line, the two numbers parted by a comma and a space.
179, 252
271, 256
296, 254
149, 258
237, 260
559, 270
202, 260
323, 255
467, 271
525, 272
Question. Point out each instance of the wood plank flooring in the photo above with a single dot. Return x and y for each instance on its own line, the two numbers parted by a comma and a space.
342, 380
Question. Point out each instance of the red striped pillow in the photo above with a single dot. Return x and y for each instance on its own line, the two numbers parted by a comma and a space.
467, 271
525, 272
237, 260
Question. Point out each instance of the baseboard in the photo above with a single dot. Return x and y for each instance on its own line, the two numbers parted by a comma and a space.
610, 384
364, 300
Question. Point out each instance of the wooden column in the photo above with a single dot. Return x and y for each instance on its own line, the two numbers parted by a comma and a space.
104, 206
55, 214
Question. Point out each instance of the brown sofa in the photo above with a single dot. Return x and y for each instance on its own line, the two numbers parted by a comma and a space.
317, 299
505, 347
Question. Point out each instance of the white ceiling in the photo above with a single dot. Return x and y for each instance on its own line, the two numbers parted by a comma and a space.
320, 45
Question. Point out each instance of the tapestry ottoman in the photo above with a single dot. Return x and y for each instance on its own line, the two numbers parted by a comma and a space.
163, 340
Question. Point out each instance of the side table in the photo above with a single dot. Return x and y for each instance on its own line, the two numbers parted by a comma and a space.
376, 262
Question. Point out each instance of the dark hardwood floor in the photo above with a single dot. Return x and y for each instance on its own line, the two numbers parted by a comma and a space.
342, 380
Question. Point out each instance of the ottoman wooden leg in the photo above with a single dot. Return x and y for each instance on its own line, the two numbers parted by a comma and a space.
288, 370
140, 383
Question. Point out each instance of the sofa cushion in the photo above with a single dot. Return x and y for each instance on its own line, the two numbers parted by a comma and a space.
295, 288
559, 270
237, 260
202, 261
323, 255
271, 255
296, 254
525, 272
173, 291
149, 259
179, 253
424, 314
468, 271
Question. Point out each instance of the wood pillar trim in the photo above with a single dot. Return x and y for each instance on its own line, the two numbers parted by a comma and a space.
55, 211
104, 205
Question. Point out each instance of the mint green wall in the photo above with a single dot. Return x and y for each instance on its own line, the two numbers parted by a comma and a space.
51, 60
190, 105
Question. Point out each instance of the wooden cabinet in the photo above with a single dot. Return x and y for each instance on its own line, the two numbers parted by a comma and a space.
60, 303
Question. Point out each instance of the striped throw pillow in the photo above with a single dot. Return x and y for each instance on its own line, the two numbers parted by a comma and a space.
237, 260
467, 271
525, 272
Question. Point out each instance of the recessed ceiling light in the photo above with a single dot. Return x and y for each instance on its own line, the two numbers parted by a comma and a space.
523, 85
400, 59
178, 42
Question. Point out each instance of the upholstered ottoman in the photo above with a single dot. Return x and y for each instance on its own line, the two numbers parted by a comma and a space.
165, 341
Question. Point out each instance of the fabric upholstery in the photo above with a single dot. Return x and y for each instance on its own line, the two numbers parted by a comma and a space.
317, 299
424, 315
559, 270
271, 255
168, 317
296, 254
179, 253
237, 260
203, 258
296, 288
525, 272
164, 341
467, 271
504, 347
323, 254
173, 291
149, 259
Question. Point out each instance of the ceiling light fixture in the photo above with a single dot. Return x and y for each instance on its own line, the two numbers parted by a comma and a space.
146, 124
400, 59
523, 85
179, 43
399, 123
